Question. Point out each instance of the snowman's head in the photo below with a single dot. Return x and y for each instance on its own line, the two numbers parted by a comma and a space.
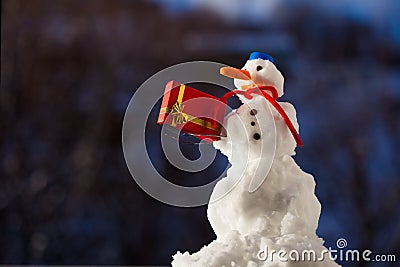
259, 70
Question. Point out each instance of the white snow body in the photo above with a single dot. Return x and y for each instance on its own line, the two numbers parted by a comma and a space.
283, 213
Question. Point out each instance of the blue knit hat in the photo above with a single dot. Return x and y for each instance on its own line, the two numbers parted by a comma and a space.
259, 55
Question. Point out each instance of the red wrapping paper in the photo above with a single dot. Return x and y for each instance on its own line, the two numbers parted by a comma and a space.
192, 111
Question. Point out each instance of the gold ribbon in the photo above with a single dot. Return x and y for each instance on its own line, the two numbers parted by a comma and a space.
178, 117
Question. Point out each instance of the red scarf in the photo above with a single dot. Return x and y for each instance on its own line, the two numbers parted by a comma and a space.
263, 91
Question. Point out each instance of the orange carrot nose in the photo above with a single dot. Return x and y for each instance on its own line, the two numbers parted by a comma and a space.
235, 73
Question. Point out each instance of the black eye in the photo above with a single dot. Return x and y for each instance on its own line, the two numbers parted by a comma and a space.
259, 68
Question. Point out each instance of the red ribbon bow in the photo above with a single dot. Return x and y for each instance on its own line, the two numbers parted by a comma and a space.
263, 91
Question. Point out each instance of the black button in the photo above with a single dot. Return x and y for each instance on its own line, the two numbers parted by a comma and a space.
256, 136
253, 112
253, 123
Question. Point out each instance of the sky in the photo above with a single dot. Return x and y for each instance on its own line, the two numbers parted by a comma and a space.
261, 10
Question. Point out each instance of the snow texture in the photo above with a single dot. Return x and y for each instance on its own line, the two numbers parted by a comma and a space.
282, 214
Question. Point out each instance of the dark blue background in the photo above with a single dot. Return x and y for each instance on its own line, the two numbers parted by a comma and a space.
69, 68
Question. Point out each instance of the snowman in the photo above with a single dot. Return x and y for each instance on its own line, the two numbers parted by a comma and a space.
266, 202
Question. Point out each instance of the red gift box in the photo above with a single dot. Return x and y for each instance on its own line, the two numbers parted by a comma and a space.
192, 111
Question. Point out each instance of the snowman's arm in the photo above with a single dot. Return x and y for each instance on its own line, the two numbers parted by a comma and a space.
291, 112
